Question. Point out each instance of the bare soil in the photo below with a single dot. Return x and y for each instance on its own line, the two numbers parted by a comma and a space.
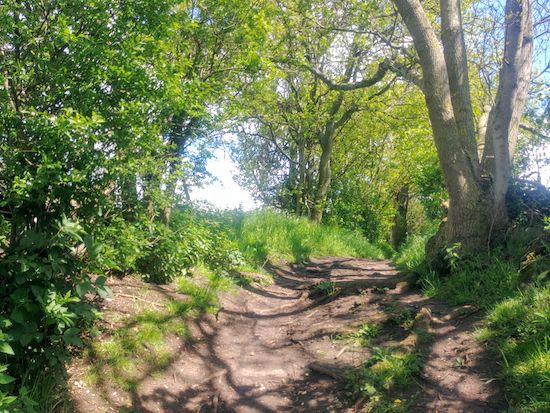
273, 348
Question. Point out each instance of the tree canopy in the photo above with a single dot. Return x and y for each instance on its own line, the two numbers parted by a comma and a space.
352, 113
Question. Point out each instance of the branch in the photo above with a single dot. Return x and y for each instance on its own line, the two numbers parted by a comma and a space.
383, 68
408, 73
531, 183
533, 131
383, 90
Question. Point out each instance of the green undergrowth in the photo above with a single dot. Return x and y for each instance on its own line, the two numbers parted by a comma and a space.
380, 375
477, 284
127, 354
137, 347
269, 235
411, 254
519, 328
516, 321
361, 336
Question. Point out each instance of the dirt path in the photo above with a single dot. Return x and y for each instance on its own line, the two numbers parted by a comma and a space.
272, 349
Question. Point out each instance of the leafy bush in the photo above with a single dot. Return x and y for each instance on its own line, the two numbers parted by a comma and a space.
43, 306
171, 250
125, 241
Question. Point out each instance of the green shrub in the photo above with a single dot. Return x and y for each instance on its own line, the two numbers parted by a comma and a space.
125, 241
43, 306
162, 252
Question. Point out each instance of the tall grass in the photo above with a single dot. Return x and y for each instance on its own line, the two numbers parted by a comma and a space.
519, 327
517, 322
267, 234
411, 254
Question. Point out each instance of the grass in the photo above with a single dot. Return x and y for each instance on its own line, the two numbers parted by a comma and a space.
125, 356
137, 348
517, 322
412, 253
362, 336
41, 393
519, 328
380, 374
269, 235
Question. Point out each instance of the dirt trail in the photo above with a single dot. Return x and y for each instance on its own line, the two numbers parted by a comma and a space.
271, 349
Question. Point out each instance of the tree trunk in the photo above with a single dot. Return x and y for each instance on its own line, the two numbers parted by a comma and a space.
324, 180
301, 179
515, 76
398, 233
474, 209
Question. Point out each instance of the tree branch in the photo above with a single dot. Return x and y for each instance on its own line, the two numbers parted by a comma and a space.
533, 131
383, 68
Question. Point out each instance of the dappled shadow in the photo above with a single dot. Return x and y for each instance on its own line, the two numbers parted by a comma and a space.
274, 349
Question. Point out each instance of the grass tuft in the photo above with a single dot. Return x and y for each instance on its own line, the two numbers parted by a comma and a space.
380, 374
362, 336
412, 253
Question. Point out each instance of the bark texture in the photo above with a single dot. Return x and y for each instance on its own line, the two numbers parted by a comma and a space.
476, 203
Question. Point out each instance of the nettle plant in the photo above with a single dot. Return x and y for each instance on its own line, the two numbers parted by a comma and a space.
43, 304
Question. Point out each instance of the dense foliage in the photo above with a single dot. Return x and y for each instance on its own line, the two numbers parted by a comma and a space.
111, 109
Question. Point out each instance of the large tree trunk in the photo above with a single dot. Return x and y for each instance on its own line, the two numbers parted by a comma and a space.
515, 75
474, 210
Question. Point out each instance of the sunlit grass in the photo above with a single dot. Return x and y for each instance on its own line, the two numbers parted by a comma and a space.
519, 327
362, 335
379, 376
267, 234
129, 352
412, 253
137, 347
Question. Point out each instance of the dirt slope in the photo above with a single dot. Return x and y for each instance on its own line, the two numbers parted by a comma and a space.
271, 348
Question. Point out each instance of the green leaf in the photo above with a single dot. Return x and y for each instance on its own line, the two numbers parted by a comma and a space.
82, 289
95, 332
104, 291
6, 348
5, 379
26, 338
18, 317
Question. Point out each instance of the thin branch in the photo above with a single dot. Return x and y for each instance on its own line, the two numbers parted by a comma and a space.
533, 131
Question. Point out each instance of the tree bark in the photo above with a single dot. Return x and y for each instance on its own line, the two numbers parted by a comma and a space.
515, 76
463, 183
457, 69
398, 234
327, 142
476, 208
301, 180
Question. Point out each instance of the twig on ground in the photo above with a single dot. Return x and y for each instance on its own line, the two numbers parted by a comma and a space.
139, 299
341, 352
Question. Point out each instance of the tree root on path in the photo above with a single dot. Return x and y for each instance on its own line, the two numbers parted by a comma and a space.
331, 371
